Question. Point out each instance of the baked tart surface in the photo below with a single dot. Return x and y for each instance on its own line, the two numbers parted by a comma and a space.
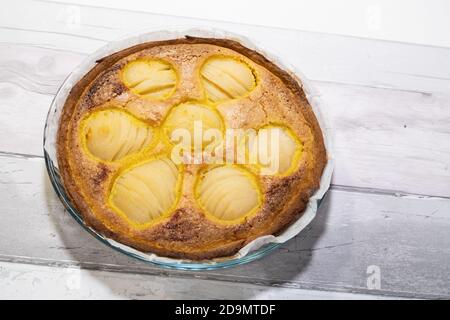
146, 154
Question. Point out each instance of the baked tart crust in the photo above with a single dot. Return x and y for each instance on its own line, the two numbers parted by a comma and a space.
114, 147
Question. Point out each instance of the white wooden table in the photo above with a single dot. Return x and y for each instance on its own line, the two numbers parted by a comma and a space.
382, 231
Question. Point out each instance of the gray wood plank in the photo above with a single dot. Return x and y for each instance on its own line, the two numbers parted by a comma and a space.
25, 281
322, 57
404, 237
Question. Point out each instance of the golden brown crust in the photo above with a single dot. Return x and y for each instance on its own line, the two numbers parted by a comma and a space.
187, 233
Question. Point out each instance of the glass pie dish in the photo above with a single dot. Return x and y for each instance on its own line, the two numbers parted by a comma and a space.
252, 251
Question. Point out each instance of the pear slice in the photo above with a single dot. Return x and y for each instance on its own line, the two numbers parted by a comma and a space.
194, 123
113, 134
147, 191
226, 78
228, 192
154, 79
276, 150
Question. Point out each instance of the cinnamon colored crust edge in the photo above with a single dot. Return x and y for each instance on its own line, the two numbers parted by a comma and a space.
297, 204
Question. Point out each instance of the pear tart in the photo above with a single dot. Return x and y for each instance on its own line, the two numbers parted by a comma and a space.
120, 126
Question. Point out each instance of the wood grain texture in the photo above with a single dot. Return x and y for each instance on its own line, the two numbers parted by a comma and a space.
22, 281
406, 237
320, 56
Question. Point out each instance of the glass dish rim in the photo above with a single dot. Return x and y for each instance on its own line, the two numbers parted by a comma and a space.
59, 188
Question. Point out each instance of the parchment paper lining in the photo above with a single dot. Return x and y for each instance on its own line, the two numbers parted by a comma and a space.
181, 32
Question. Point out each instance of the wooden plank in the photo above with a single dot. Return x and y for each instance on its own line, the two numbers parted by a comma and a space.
387, 139
36, 69
381, 22
23, 281
321, 57
402, 239
374, 130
